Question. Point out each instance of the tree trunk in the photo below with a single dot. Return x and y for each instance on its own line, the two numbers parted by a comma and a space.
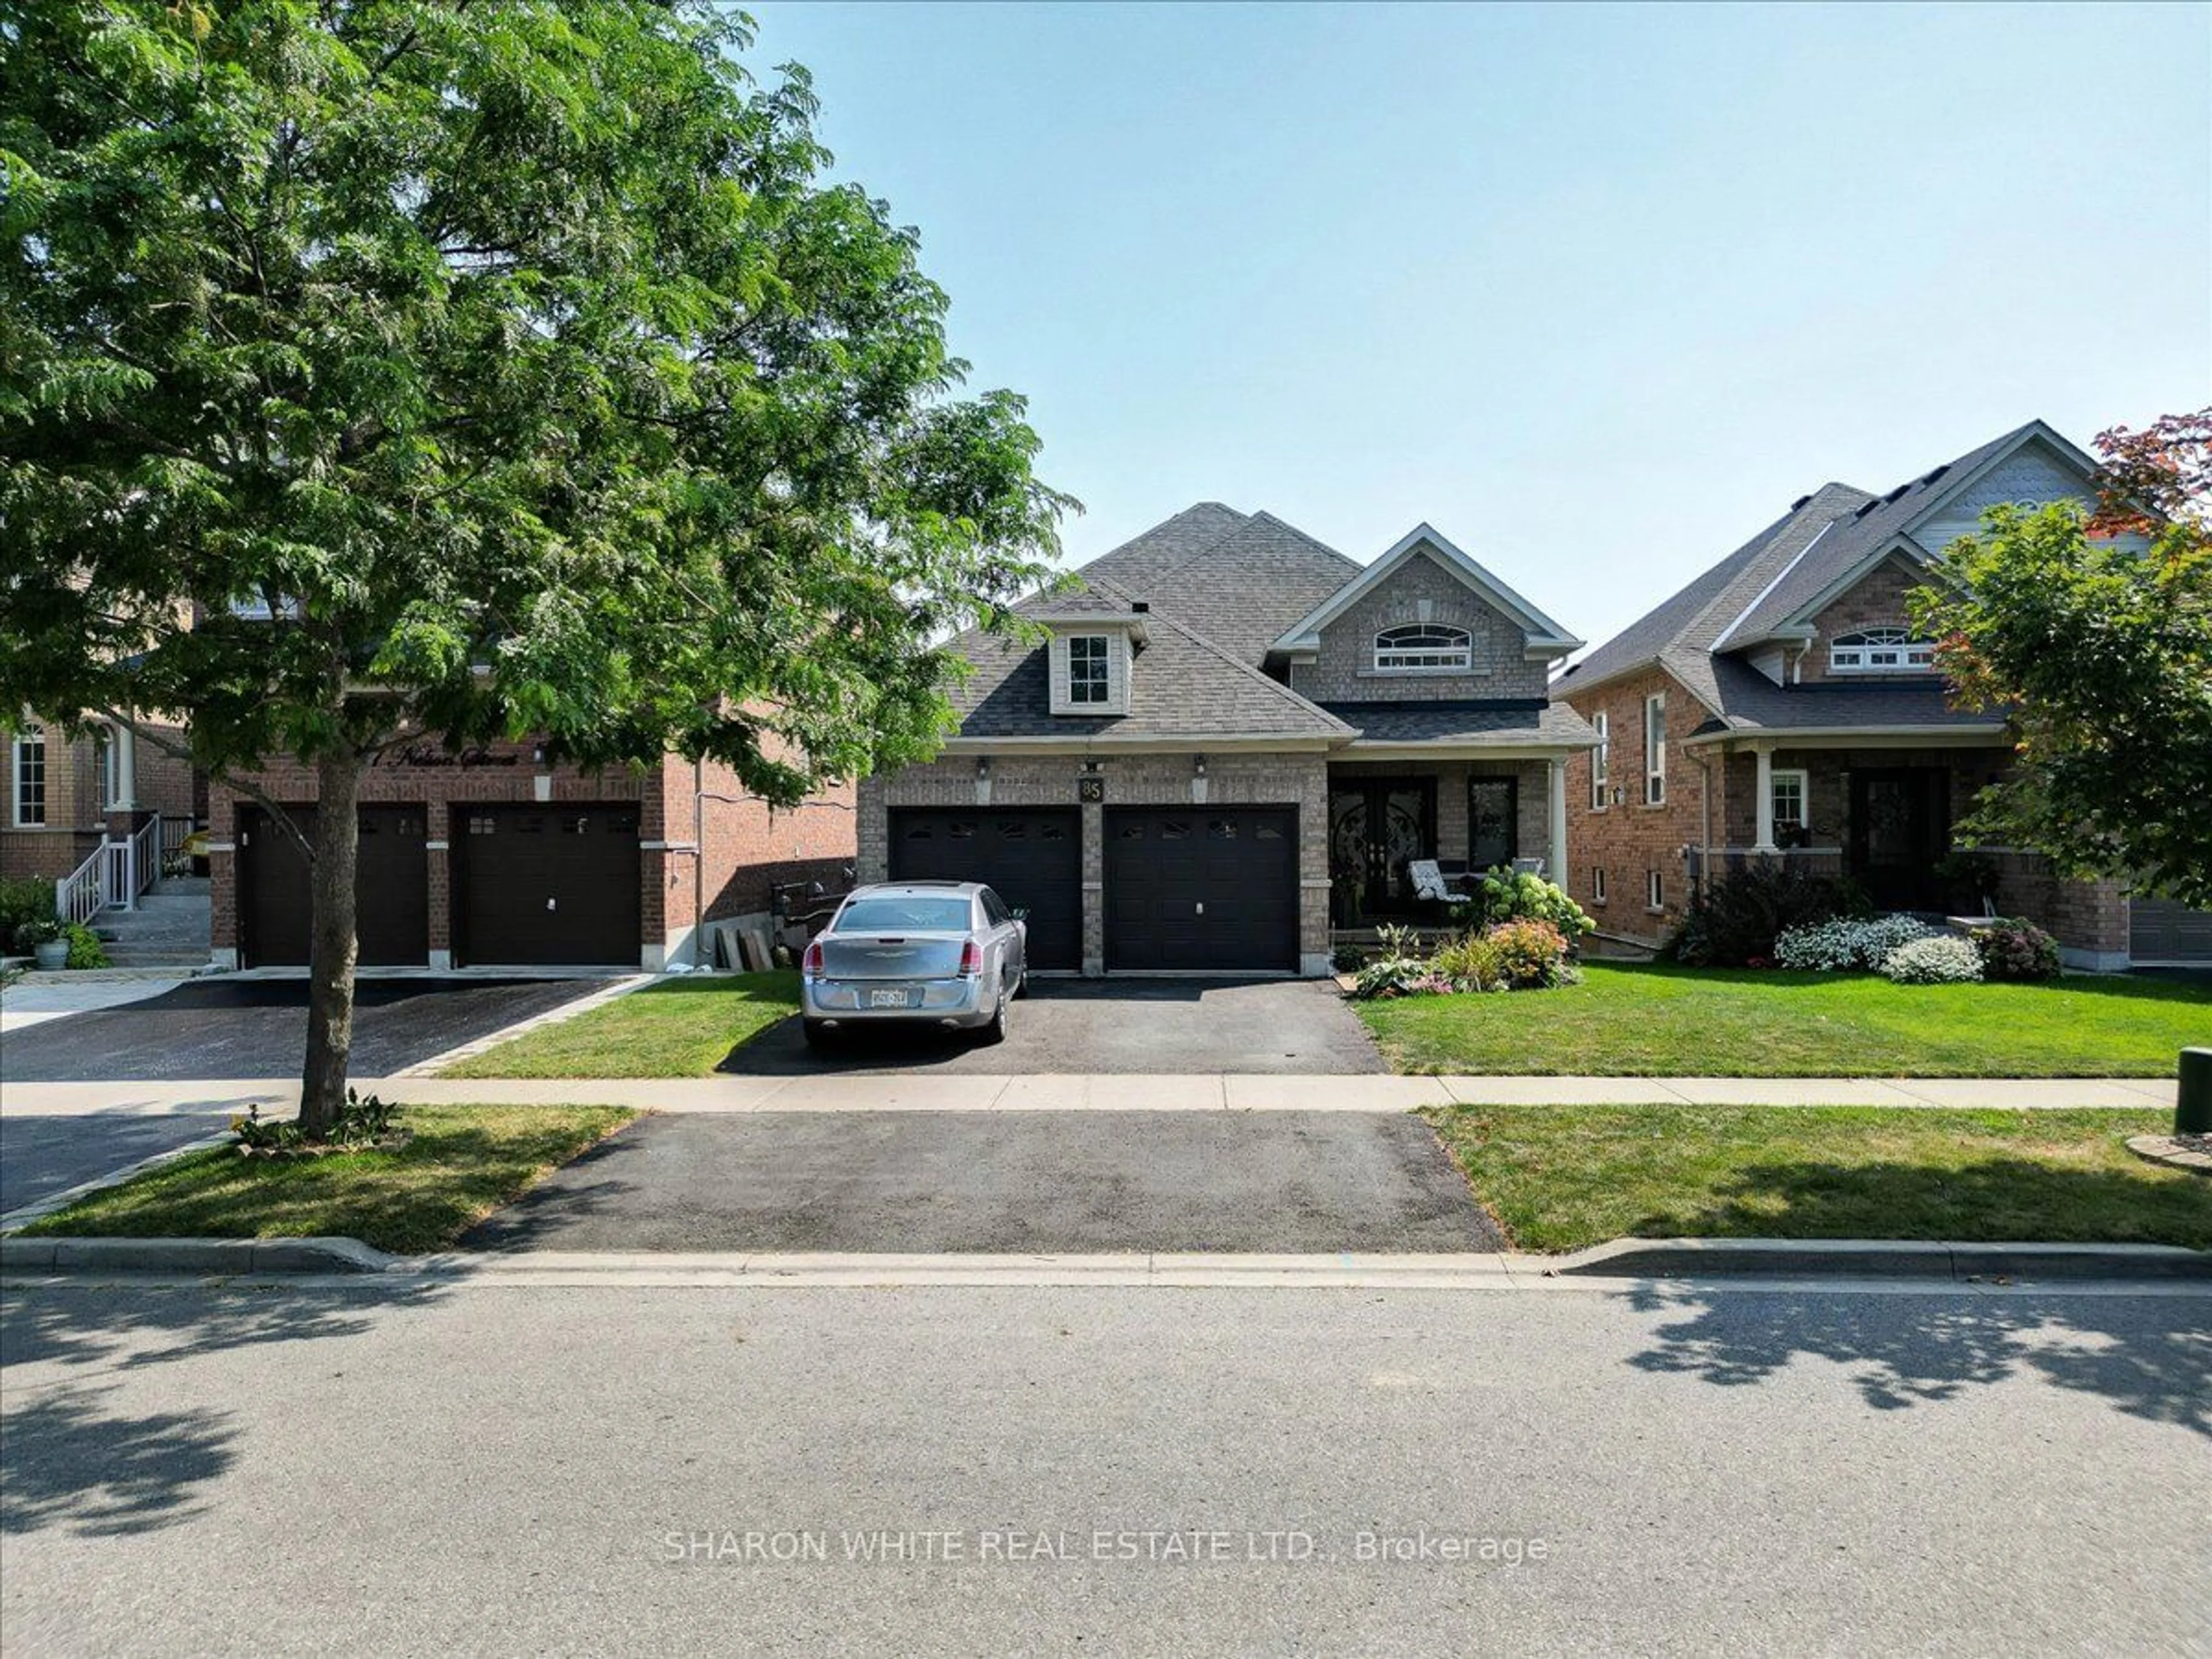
330, 977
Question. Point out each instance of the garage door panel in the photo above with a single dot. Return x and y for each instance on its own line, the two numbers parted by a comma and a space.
1032, 857
391, 888
548, 885
1201, 889
2164, 930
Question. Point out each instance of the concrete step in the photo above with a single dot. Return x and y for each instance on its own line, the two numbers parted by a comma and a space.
157, 956
180, 887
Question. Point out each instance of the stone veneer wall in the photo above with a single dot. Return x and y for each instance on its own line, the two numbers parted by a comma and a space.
1345, 670
1299, 780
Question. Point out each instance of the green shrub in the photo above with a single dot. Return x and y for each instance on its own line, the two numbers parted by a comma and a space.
1391, 976
28, 898
85, 948
2014, 948
1503, 897
1474, 961
1736, 918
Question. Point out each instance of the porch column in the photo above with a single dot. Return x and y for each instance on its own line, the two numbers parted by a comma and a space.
1765, 800
126, 768
1555, 802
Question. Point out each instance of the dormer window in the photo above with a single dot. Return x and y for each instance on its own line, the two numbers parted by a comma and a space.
1424, 648
1087, 681
1880, 651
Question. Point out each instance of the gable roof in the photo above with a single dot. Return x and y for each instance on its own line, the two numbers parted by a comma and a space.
1305, 634
1826, 542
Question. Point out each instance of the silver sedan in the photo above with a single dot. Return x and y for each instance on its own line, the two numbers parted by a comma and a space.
948, 954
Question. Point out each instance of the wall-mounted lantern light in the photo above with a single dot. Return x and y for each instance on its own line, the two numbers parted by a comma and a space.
982, 768
1198, 766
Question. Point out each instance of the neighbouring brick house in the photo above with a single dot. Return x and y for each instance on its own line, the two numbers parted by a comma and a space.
1780, 706
494, 857
65, 797
1233, 743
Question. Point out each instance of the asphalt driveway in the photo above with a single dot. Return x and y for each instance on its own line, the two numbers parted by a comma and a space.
253, 1028
1049, 1183
1098, 1026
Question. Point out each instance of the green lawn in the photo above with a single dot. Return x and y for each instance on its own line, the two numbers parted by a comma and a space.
680, 1028
1560, 1178
1638, 1020
463, 1163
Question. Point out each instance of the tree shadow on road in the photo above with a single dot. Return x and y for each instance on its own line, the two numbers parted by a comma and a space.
73, 1454
2132, 1353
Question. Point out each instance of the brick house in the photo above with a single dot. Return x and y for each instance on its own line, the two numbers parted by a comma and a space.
494, 856
1231, 745
1780, 706
66, 798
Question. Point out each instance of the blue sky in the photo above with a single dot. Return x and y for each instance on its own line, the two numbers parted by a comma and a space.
1595, 290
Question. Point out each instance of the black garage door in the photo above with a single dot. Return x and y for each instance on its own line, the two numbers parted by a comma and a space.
1033, 858
547, 884
1201, 888
2164, 930
391, 888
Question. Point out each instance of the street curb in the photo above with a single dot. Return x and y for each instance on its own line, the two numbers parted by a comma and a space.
47, 1206
1699, 1258
202, 1257
1621, 1261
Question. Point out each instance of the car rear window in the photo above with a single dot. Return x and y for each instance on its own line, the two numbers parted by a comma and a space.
915, 914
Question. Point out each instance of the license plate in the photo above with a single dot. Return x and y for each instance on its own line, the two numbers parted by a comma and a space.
887, 998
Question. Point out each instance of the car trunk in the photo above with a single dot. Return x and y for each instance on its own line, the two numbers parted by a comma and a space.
891, 956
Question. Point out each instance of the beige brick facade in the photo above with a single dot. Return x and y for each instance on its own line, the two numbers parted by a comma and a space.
1298, 780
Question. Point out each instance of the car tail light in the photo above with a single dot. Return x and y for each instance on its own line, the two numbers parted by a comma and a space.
811, 961
971, 959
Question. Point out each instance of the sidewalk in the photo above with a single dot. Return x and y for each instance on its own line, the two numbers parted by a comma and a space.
1050, 1093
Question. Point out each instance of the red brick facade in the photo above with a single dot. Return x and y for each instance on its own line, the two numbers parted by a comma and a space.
1627, 839
747, 846
77, 815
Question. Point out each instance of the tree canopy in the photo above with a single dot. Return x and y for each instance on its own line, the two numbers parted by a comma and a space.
2094, 626
384, 370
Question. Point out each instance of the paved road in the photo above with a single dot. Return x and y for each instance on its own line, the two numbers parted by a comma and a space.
1116, 1025
1054, 1182
503, 1470
220, 1028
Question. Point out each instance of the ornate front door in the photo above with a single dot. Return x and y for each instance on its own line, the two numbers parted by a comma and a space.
1376, 829
1899, 833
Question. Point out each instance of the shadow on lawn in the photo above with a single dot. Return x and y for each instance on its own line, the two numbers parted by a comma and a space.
72, 1456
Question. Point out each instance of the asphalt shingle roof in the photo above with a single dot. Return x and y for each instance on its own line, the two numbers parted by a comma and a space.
1135, 565
1749, 701
1241, 592
1472, 724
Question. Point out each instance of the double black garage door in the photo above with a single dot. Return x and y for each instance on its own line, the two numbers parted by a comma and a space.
1186, 888
535, 884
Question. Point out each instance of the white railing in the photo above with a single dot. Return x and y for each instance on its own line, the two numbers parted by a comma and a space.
138, 863
175, 832
83, 893
116, 872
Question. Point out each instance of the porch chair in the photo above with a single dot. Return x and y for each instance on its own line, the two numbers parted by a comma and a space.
1527, 867
1428, 882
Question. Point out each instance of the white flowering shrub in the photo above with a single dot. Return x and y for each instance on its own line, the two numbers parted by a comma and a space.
1839, 946
1943, 959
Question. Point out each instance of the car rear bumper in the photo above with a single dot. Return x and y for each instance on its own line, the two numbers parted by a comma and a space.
955, 1002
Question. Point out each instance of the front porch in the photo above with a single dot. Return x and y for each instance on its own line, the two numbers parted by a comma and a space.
1469, 814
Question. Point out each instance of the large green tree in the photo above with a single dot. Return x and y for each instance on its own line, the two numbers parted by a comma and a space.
2094, 626
513, 364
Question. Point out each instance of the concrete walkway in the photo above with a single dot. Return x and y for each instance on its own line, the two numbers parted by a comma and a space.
1210, 1092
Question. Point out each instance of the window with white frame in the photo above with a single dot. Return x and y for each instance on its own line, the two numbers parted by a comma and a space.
1654, 890
1424, 647
1601, 760
1597, 884
1880, 651
1788, 790
1087, 669
105, 760
28, 769
1655, 749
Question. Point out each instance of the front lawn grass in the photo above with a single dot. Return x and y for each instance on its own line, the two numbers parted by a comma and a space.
463, 1162
1561, 1178
1653, 1020
680, 1028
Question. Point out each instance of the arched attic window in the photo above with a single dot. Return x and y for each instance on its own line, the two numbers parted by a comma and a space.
1416, 648
1880, 651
